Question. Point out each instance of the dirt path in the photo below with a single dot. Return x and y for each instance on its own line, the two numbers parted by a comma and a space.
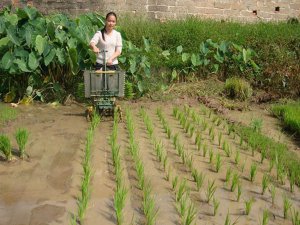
42, 190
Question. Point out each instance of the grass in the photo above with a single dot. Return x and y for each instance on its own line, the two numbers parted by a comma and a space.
289, 160
289, 114
5, 147
7, 114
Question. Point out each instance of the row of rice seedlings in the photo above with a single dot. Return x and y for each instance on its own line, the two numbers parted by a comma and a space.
185, 207
121, 191
21, 136
164, 123
85, 183
149, 208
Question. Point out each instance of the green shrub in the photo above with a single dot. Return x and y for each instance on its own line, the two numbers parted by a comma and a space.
238, 88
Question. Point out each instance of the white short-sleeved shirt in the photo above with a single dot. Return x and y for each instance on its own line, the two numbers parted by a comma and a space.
112, 43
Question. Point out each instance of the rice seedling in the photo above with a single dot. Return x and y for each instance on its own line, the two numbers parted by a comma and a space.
191, 131
210, 130
243, 165
181, 190
248, 206
219, 121
230, 129
218, 162
191, 214
271, 165
252, 151
165, 161
175, 112
228, 175
209, 113
189, 162
280, 172
220, 136
216, 204
237, 157
5, 147
119, 203
175, 140
204, 125
211, 156
239, 192
22, 138
292, 179
235, 181
149, 206
168, 132
272, 190
198, 178
263, 154
211, 189
174, 182
182, 206
286, 206
265, 219
295, 217
198, 138
139, 167
187, 126
204, 150
265, 183
228, 221
227, 149
168, 174
253, 171
241, 140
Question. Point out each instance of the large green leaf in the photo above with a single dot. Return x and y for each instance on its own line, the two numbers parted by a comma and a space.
179, 49
28, 36
61, 55
11, 34
132, 67
60, 35
40, 44
51, 30
166, 54
22, 65
185, 57
48, 59
31, 12
7, 60
2, 25
73, 60
12, 19
33, 62
4, 41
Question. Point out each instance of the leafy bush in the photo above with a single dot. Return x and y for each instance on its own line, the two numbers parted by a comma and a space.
238, 88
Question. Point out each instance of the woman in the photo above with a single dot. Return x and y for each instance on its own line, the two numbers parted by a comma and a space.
108, 43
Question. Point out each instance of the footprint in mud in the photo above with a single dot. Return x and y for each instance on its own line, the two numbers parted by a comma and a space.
45, 214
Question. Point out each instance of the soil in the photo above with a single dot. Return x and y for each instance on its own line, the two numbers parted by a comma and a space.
44, 188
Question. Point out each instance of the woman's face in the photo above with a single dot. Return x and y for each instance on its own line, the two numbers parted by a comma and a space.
110, 22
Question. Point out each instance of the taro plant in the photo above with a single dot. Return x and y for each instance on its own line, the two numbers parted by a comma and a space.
5, 147
22, 138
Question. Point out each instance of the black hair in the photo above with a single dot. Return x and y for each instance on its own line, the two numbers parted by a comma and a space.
107, 15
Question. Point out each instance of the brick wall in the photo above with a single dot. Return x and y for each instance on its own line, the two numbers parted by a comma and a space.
245, 10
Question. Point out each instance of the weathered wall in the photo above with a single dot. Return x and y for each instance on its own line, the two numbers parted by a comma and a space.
246, 10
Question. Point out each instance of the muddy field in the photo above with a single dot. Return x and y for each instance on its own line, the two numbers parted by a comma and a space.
44, 188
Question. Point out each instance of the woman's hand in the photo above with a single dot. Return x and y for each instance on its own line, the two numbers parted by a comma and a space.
96, 50
109, 62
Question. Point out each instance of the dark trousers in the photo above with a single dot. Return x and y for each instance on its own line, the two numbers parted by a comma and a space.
99, 66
